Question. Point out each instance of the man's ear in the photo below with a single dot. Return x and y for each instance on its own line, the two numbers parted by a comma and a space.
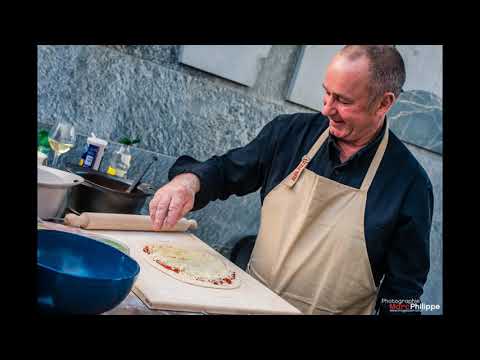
386, 103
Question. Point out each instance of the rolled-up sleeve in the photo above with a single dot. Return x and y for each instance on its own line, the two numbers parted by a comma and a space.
239, 171
408, 257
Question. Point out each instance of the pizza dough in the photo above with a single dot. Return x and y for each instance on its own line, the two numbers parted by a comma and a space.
194, 267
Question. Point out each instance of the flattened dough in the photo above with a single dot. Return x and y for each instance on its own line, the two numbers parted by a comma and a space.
193, 267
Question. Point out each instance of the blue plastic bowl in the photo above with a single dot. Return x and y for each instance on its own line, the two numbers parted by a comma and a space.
79, 275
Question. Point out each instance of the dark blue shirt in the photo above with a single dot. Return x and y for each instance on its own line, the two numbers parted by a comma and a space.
398, 214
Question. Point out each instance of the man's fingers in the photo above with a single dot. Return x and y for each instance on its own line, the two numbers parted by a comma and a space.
174, 212
161, 212
169, 205
152, 208
187, 207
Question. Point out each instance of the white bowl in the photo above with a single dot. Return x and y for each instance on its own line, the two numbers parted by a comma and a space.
41, 158
53, 187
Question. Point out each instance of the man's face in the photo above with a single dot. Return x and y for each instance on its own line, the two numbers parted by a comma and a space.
347, 99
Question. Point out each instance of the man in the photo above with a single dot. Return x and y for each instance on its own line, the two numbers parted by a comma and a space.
346, 208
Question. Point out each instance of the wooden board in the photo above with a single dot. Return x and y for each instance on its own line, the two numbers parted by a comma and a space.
160, 291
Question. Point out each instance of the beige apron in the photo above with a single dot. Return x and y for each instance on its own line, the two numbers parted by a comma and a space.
311, 246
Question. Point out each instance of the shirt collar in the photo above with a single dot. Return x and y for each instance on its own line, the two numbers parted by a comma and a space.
331, 140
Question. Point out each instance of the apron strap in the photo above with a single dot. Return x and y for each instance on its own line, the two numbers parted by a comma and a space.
367, 181
372, 170
295, 175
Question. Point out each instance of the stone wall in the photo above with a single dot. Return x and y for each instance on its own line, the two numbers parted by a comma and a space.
144, 91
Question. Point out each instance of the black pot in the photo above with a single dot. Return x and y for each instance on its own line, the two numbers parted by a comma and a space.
101, 192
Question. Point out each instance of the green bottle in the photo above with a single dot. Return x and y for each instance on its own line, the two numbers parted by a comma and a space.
43, 145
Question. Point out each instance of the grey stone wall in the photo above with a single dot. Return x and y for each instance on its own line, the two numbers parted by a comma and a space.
175, 112
432, 163
143, 91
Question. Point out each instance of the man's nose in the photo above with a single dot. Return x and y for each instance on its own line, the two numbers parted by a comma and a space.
328, 106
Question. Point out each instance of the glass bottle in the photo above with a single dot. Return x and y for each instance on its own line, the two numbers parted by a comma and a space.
120, 162
43, 145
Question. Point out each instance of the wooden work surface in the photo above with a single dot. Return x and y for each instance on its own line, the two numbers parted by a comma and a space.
159, 291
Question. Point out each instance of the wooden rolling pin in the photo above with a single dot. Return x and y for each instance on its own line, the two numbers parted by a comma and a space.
105, 221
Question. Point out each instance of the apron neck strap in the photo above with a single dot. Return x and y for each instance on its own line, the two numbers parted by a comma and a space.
314, 149
295, 175
372, 170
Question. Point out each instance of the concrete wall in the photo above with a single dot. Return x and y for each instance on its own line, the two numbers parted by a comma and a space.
176, 109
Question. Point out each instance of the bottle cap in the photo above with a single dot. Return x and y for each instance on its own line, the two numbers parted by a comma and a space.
97, 141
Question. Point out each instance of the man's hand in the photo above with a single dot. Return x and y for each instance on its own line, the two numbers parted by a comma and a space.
173, 200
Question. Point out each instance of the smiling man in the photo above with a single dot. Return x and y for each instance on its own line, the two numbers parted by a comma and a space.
346, 208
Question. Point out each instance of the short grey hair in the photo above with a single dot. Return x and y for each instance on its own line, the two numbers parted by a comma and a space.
387, 69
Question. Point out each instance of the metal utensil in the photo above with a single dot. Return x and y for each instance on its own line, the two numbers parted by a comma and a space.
137, 181
56, 220
60, 220
73, 211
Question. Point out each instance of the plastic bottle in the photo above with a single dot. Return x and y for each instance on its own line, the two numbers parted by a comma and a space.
93, 153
